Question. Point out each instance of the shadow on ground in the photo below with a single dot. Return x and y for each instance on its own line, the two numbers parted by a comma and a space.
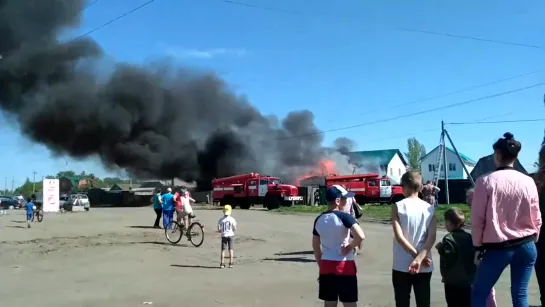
290, 259
143, 227
18, 222
160, 243
301, 253
16, 227
194, 266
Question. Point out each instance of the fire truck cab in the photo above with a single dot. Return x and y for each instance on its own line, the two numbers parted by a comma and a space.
369, 188
250, 189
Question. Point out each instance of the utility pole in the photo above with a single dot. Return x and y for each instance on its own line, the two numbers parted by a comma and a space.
13, 184
34, 182
6, 186
445, 164
460, 159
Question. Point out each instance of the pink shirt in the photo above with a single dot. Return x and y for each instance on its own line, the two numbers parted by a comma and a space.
505, 206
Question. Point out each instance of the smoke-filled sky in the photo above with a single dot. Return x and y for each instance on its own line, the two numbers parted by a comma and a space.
154, 121
346, 70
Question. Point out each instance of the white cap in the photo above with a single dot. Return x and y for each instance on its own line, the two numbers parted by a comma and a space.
169, 190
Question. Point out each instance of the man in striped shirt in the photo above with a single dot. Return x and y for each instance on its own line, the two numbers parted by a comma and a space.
333, 250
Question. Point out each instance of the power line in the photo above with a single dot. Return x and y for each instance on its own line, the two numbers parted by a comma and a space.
403, 29
2, 56
471, 38
400, 136
418, 113
113, 20
90, 4
499, 122
453, 92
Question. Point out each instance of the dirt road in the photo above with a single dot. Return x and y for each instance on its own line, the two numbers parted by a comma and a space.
110, 257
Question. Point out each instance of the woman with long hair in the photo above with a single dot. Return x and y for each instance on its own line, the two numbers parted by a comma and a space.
540, 245
505, 224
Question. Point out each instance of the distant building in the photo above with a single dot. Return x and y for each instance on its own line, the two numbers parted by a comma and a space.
68, 184
486, 165
390, 162
124, 186
428, 165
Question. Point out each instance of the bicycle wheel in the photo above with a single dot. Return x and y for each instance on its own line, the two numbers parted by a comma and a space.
196, 234
40, 215
173, 232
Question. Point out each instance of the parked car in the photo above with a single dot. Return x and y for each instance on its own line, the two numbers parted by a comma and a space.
77, 202
8, 202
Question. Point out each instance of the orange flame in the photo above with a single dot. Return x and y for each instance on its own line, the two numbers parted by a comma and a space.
324, 168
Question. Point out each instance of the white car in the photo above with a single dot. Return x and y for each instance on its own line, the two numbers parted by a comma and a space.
79, 202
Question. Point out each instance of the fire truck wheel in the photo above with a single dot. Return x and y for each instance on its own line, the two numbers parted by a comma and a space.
397, 198
245, 205
272, 202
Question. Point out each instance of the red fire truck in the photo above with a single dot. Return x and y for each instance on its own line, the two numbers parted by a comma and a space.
250, 189
369, 188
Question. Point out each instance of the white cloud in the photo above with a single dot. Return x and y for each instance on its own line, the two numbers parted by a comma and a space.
204, 53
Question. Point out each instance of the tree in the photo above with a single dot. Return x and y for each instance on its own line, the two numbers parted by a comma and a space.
415, 152
27, 188
66, 174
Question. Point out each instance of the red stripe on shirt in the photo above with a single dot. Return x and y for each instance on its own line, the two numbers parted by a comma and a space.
343, 268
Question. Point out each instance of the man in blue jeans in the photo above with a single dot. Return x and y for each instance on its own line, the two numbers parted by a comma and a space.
168, 207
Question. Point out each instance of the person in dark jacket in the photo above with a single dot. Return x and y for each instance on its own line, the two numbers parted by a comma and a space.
540, 245
457, 264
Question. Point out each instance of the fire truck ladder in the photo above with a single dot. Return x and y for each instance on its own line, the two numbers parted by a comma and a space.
439, 160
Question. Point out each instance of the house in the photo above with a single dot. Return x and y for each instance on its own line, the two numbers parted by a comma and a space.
124, 186
68, 184
390, 162
486, 165
428, 165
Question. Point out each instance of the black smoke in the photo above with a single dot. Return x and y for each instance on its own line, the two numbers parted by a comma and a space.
154, 121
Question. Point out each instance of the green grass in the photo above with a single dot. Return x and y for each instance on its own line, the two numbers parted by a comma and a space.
378, 213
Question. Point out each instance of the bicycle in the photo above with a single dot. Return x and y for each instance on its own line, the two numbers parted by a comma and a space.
174, 232
38, 213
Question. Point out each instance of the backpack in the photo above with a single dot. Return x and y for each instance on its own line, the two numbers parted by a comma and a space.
358, 211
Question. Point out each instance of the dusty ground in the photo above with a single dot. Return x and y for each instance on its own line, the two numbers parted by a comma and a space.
108, 257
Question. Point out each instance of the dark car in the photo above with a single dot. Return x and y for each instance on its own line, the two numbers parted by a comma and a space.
7, 202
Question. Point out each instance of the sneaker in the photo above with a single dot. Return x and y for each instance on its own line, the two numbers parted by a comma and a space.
222, 266
231, 265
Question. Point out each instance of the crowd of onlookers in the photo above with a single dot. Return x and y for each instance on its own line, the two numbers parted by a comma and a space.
506, 221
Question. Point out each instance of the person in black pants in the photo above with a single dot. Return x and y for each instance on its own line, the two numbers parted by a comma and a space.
540, 245
157, 207
404, 282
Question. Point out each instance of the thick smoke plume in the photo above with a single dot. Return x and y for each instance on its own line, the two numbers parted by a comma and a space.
156, 121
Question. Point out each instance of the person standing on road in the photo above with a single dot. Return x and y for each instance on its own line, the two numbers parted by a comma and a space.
157, 207
415, 227
227, 226
429, 192
333, 251
168, 207
348, 207
505, 222
540, 245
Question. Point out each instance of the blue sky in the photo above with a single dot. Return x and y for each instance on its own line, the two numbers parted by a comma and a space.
334, 57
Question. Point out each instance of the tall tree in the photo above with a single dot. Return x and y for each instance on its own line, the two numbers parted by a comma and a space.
66, 174
415, 152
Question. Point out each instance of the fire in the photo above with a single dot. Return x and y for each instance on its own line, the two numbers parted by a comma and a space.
324, 168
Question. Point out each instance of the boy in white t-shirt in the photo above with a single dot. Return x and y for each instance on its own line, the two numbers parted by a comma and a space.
227, 226
415, 227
